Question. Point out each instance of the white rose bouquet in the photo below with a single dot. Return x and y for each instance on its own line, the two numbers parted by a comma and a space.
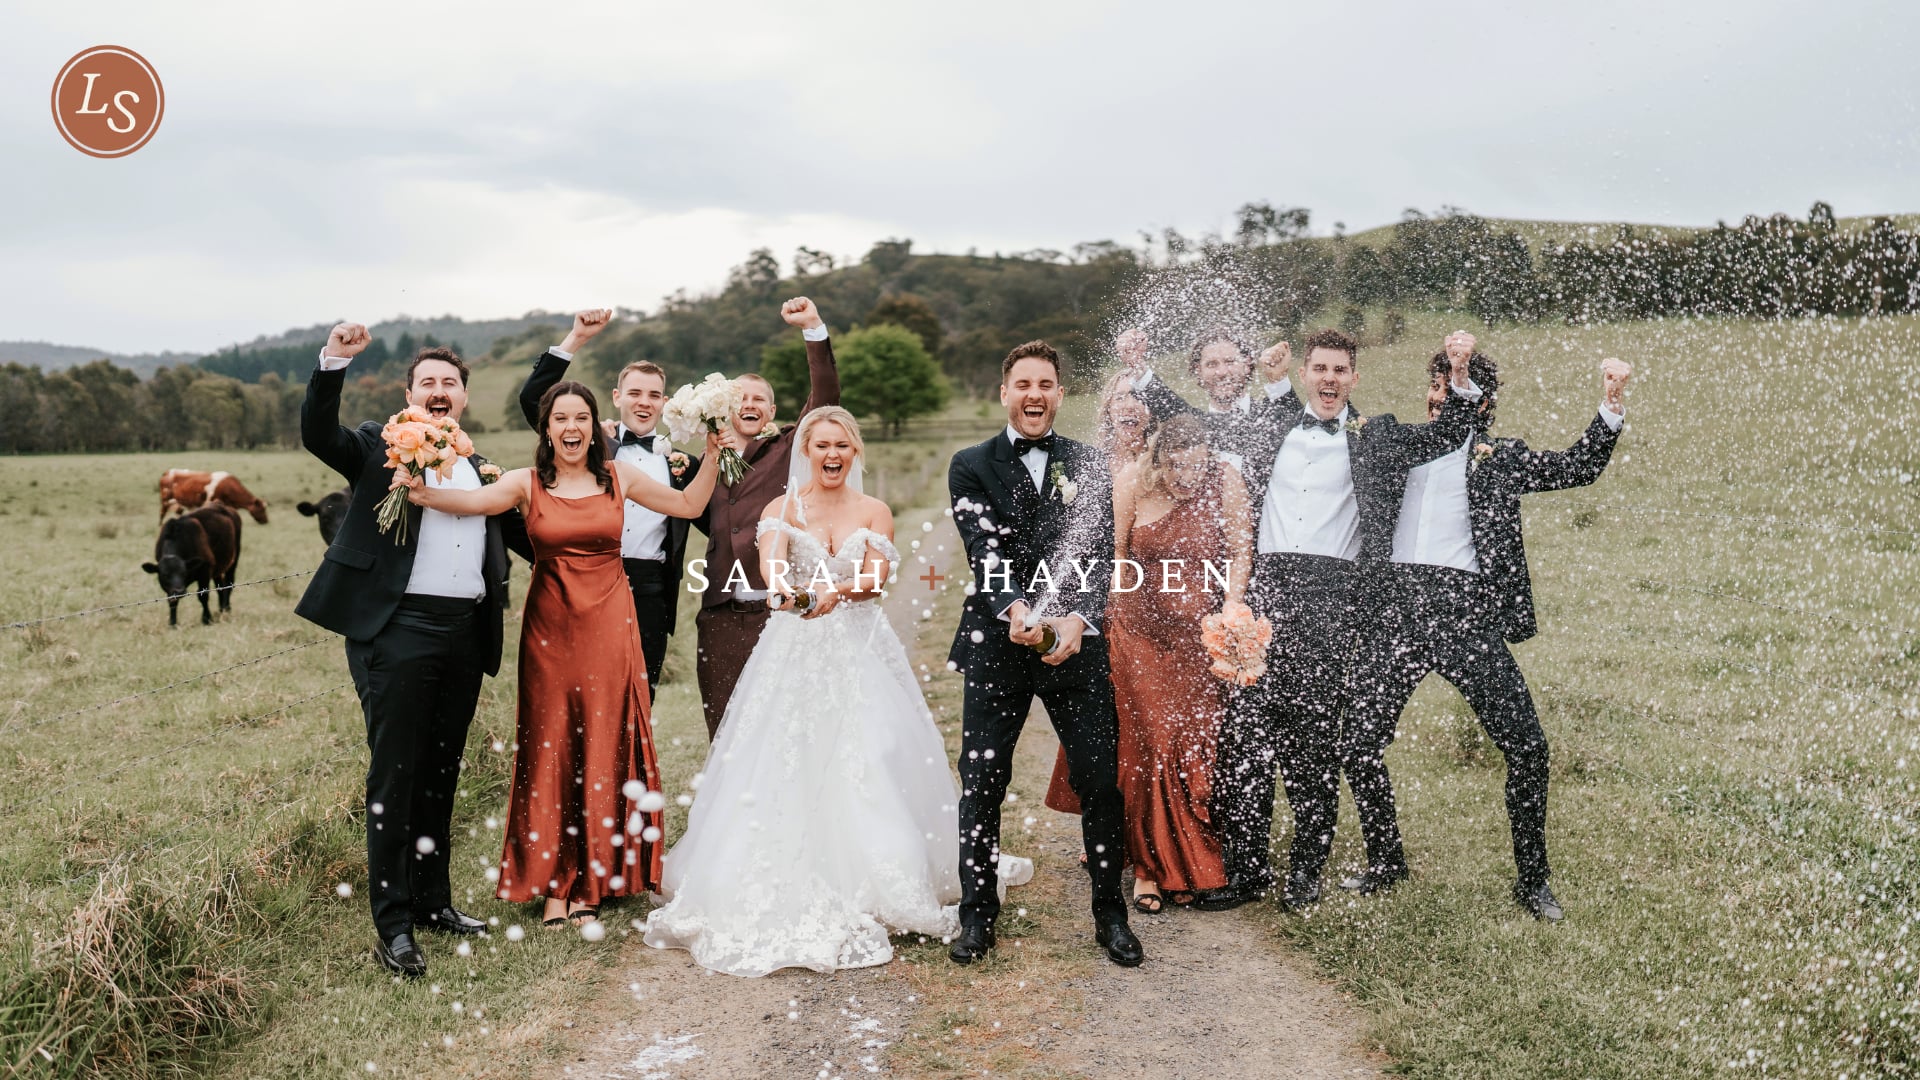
698, 408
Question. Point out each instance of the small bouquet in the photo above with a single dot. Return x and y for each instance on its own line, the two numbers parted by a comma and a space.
699, 408
420, 443
1237, 642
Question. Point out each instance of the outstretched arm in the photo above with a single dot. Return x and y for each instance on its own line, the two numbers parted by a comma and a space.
1239, 532
552, 365
1583, 462
823, 378
511, 492
690, 502
342, 449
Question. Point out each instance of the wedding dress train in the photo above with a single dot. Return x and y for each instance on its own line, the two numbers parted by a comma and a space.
826, 816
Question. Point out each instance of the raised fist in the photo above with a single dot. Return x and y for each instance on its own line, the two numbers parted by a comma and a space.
1275, 361
1460, 346
585, 325
1614, 375
800, 312
1131, 346
347, 339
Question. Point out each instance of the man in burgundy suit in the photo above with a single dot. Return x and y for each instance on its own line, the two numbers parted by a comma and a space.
733, 607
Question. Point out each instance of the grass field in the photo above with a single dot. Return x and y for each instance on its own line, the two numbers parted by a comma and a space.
1727, 670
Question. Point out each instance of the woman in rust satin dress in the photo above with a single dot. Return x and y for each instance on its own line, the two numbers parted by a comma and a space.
1181, 503
584, 818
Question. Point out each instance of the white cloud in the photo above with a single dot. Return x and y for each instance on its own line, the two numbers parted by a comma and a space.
321, 161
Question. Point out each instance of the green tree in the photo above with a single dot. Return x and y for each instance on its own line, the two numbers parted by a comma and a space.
886, 372
913, 313
783, 364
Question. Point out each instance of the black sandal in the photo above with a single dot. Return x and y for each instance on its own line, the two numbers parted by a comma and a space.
554, 923
1175, 898
1148, 903
587, 912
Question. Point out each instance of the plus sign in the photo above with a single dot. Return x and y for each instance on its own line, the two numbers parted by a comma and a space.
933, 578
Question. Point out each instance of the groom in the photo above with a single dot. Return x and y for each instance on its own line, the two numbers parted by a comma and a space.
422, 621
1034, 512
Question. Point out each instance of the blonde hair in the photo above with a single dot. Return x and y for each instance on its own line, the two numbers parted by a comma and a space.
1120, 386
838, 415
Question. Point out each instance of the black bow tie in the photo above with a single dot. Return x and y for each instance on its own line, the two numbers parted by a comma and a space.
1310, 421
1021, 446
645, 442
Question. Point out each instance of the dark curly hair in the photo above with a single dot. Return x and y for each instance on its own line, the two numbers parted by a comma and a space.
1329, 338
596, 442
1218, 333
1484, 373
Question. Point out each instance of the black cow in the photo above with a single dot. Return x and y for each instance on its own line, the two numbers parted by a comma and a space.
331, 510
197, 548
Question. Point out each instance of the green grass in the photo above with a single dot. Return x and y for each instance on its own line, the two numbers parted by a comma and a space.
1734, 783
1733, 813
176, 856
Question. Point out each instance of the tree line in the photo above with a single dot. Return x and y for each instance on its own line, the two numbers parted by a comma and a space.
911, 328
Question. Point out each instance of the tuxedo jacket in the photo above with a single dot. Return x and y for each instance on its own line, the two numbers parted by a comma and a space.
1494, 487
1004, 522
364, 573
1381, 451
547, 372
1234, 431
732, 517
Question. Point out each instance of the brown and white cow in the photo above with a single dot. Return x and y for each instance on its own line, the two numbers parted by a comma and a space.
201, 548
187, 489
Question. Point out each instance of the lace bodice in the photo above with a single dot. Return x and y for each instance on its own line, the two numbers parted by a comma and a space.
806, 553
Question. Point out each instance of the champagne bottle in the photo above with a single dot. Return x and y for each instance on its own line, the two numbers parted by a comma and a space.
801, 601
1048, 639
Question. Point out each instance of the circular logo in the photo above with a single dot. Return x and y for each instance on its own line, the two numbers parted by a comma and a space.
107, 101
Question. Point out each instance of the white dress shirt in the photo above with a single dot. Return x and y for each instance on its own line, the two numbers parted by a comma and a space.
1035, 461
644, 536
448, 557
1436, 523
1436, 526
1310, 507
452, 548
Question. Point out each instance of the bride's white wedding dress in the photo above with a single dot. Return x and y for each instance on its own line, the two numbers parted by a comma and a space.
826, 814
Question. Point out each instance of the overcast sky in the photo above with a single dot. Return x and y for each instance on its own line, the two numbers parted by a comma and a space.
360, 160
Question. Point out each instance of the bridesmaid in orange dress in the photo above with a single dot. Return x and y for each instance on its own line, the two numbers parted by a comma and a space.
584, 818
1182, 504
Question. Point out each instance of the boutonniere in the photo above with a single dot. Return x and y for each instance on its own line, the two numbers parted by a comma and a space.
678, 462
1062, 484
1481, 452
772, 430
489, 473
1355, 425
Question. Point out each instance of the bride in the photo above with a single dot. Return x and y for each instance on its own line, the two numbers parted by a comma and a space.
826, 815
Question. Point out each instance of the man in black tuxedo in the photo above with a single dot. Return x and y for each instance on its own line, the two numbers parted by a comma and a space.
422, 621
1223, 366
1454, 592
1314, 467
1035, 512
653, 546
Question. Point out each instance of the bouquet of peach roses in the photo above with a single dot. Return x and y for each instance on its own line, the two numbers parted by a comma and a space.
420, 443
1237, 642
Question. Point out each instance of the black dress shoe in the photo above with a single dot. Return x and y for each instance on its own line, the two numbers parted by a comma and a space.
401, 956
1539, 902
1374, 879
973, 943
1301, 892
449, 921
1117, 938
1224, 898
